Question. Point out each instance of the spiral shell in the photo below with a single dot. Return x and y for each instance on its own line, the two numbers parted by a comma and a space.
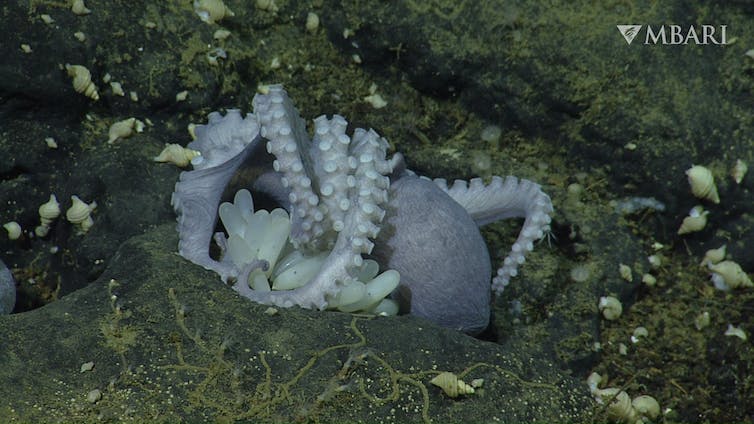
620, 408
13, 229
713, 256
177, 155
734, 331
79, 210
211, 11
696, 221
451, 385
78, 7
732, 275
124, 129
41, 230
49, 210
610, 307
82, 81
593, 381
646, 406
702, 183
79, 213
739, 171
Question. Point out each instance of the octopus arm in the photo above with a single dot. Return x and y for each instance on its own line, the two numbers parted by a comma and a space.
344, 258
316, 292
510, 197
355, 170
195, 199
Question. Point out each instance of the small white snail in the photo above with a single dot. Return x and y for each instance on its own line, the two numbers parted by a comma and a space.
625, 272
646, 406
610, 307
78, 7
639, 333
312, 22
211, 11
268, 5
713, 256
221, 34
729, 275
176, 154
82, 81
79, 213
49, 211
702, 183
620, 408
117, 88
734, 331
94, 396
593, 381
649, 280
655, 261
739, 171
451, 385
13, 229
702, 321
695, 221
124, 129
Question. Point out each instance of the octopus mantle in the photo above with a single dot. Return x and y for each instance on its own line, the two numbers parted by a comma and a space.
346, 197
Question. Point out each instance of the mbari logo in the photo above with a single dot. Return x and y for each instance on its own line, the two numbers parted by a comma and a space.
629, 32
676, 34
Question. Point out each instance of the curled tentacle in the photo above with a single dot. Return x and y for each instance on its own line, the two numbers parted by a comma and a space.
505, 198
224, 145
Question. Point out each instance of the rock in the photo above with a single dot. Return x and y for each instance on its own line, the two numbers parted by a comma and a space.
7, 290
169, 337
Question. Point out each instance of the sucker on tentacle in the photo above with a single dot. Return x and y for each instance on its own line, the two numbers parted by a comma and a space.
500, 199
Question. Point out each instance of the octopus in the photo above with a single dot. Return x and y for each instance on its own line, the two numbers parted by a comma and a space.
349, 203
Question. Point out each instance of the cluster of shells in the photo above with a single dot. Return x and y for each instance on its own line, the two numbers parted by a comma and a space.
619, 405
79, 214
703, 186
725, 274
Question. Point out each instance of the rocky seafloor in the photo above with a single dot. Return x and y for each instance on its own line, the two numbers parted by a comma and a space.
594, 120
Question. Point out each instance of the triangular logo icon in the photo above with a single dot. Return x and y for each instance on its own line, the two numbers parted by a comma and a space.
629, 32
